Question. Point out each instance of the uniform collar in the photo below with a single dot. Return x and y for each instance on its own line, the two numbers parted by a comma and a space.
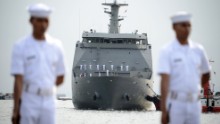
47, 38
178, 45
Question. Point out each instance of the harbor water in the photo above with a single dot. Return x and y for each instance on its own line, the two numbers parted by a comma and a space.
66, 114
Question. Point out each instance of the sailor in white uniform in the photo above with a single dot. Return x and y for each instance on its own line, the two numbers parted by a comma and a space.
38, 67
184, 68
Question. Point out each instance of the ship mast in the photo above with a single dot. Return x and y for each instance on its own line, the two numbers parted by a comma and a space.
114, 18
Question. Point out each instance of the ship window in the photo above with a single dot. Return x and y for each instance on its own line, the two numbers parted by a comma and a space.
89, 41
106, 41
113, 41
120, 41
133, 41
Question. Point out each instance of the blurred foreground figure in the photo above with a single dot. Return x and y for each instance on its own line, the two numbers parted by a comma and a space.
184, 68
38, 68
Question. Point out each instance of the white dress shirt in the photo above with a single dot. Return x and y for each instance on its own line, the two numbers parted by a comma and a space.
40, 62
185, 64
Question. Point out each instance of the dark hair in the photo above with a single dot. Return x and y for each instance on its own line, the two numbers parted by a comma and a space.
32, 18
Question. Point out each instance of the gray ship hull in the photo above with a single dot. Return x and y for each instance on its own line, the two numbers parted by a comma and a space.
111, 92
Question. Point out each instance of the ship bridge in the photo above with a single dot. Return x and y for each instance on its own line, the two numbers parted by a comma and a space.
115, 41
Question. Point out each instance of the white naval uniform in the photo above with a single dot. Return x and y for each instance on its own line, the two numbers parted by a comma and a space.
40, 63
185, 65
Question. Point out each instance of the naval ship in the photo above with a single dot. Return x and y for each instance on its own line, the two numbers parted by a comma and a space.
112, 71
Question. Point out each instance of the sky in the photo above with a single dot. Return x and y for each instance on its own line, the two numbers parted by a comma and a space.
71, 17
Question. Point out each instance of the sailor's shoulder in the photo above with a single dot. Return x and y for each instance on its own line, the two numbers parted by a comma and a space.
197, 46
20, 43
54, 42
168, 47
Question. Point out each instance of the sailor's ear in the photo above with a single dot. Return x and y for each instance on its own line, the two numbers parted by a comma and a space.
173, 25
31, 20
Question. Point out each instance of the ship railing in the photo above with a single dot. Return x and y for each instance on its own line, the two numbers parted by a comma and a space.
102, 73
113, 46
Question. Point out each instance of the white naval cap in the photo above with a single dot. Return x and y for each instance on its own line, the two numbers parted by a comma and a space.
181, 16
39, 10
